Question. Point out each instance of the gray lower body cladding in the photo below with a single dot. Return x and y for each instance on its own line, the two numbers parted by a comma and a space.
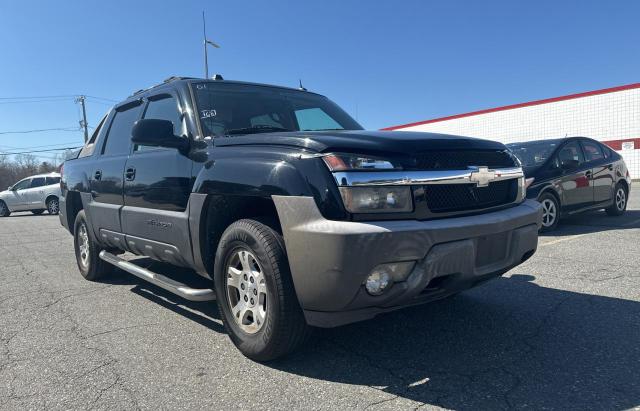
330, 260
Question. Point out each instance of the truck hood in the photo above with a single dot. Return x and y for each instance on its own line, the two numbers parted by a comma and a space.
360, 141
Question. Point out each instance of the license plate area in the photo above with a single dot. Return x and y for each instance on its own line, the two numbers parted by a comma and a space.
491, 249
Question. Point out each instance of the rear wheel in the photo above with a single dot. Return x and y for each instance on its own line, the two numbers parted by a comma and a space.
255, 292
53, 205
619, 201
89, 263
550, 212
37, 212
4, 210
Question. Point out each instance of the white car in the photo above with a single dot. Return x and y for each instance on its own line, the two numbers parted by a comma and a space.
36, 194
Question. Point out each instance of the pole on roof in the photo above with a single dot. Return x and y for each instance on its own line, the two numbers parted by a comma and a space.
204, 44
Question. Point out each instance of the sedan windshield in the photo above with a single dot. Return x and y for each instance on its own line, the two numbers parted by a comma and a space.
227, 109
533, 153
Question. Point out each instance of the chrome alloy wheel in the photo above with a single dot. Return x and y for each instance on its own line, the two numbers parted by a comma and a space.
53, 206
246, 291
83, 245
549, 212
621, 199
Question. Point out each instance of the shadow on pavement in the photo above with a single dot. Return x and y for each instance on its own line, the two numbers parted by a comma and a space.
509, 344
593, 222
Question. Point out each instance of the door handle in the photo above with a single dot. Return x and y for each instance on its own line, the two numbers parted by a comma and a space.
130, 174
98, 175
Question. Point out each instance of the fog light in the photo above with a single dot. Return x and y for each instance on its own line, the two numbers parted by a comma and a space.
378, 281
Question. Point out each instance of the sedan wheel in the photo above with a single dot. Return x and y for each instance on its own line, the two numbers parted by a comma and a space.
621, 199
53, 206
4, 210
549, 213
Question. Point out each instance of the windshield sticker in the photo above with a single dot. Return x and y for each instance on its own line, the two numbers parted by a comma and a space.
208, 113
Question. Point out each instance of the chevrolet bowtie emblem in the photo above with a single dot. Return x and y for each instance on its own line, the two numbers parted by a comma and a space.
482, 177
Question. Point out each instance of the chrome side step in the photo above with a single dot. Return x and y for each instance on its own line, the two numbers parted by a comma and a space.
182, 290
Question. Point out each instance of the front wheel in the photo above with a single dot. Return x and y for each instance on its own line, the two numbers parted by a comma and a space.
53, 206
4, 210
550, 212
255, 292
91, 266
619, 201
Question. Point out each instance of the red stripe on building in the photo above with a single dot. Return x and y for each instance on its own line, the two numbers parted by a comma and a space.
617, 144
528, 104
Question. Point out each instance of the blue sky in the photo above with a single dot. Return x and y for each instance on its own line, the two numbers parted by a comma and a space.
386, 63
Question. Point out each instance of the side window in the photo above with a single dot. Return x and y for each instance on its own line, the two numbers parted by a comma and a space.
88, 148
119, 136
37, 182
310, 119
53, 180
592, 151
21, 185
165, 108
570, 153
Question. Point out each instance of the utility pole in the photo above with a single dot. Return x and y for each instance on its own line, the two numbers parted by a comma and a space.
204, 45
83, 122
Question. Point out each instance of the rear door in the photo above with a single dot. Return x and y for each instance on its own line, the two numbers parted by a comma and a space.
602, 171
575, 180
107, 169
35, 193
157, 185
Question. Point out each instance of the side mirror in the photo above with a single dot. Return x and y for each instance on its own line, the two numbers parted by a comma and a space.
157, 133
569, 164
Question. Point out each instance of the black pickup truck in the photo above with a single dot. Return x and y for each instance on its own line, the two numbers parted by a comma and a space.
298, 217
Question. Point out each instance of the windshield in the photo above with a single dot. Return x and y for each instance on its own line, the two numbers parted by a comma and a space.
234, 109
533, 153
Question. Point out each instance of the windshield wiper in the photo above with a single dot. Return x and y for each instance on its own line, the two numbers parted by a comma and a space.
255, 130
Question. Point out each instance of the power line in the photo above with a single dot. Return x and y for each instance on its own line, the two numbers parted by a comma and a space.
5, 147
103, 98
41, 151
40, 130
38, 97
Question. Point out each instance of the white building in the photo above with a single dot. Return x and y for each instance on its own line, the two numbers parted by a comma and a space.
611, 116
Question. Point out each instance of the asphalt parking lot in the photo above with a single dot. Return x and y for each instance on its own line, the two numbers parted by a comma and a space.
561, 331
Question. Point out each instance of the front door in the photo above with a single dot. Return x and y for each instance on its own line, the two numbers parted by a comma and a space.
107, 174
158, 183
575, 180
18, 199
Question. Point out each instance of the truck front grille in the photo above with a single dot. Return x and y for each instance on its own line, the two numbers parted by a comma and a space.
462, 159
447, 198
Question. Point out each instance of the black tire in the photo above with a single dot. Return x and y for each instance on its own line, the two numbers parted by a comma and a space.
37, 212
4, 210
283, 328
550, 212
91, 267
620, 200
53, 205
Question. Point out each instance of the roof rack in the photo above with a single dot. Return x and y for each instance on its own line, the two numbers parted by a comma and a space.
167, 80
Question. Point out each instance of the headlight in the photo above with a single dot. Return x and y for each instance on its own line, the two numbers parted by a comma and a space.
377, 199
344, 162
